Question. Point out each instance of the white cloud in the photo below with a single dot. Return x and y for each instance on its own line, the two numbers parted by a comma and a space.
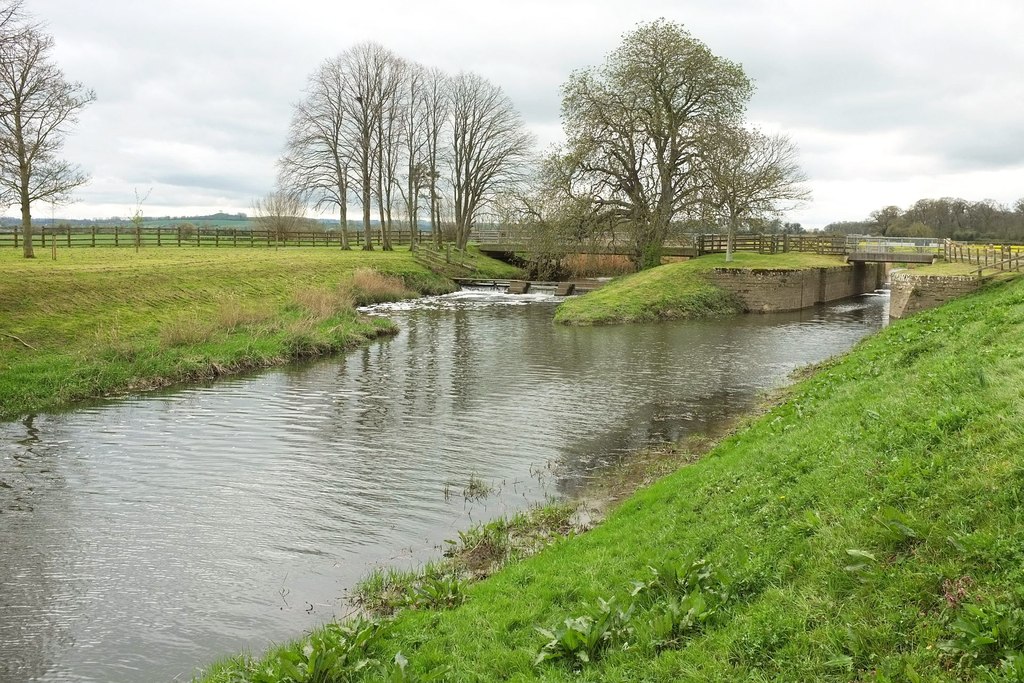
888, 101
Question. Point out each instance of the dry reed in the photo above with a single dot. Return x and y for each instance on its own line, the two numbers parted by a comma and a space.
187, 331
321, 303
368, 286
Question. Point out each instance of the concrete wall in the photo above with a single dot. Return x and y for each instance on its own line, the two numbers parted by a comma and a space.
912, 293
765, 290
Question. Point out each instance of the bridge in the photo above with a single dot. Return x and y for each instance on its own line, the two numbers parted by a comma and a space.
855, 248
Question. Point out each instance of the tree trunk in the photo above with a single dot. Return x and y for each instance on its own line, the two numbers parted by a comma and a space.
367, 231
26, 218
649, 242
413, 209
730, 238
435, 215
343, 220
383, 223
341, 175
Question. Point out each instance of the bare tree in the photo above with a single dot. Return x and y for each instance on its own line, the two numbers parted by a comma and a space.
365, 70
281, 213
415, 135
37, 106
436, 108
490, 142
318, 160
751, 175
388, 131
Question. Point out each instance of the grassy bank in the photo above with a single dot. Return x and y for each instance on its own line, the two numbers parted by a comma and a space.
675, 291
102, 321
866, 529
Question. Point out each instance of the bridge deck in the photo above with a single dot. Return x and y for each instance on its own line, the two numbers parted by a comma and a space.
890, 257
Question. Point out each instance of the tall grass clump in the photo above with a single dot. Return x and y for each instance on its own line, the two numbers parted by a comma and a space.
189, 330
321, 303
234, 313
368, 286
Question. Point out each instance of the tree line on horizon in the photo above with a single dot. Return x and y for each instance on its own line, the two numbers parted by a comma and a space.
948, 217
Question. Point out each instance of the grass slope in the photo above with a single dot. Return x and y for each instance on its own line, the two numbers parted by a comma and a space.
111, 320
675, 290
869, 528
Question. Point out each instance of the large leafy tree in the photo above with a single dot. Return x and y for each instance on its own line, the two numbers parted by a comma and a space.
639, 126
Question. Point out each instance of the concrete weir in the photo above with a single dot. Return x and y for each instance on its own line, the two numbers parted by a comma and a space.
765, 290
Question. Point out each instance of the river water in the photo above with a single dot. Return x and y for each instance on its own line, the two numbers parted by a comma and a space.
145, 536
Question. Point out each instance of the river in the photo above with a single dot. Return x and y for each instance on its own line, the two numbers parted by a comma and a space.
145, 536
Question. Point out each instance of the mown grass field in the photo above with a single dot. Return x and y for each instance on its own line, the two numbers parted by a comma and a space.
867, 528
101, 321
675, 291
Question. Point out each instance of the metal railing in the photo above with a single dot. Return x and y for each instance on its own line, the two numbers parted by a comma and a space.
891, 245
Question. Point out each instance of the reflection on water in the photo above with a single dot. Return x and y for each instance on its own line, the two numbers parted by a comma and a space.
143, 536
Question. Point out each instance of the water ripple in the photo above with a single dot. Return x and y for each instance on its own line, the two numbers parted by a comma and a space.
144, 536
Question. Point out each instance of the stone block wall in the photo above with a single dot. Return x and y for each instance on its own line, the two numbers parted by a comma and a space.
763, 290
912, 293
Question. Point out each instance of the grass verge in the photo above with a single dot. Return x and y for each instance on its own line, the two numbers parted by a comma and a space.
101, 321
675, 290
865, 529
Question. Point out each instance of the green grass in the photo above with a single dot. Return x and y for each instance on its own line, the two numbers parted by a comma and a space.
675, 290
103, 321
943, 268
868, 528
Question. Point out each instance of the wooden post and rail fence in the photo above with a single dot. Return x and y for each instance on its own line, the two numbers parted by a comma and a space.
998, 258
131, 236
988, 257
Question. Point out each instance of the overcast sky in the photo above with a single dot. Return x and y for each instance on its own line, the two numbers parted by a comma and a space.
889, 101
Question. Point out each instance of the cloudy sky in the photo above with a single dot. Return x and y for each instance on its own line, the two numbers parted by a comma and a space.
889, 101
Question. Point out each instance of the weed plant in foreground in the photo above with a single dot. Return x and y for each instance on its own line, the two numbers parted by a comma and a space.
866, 529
